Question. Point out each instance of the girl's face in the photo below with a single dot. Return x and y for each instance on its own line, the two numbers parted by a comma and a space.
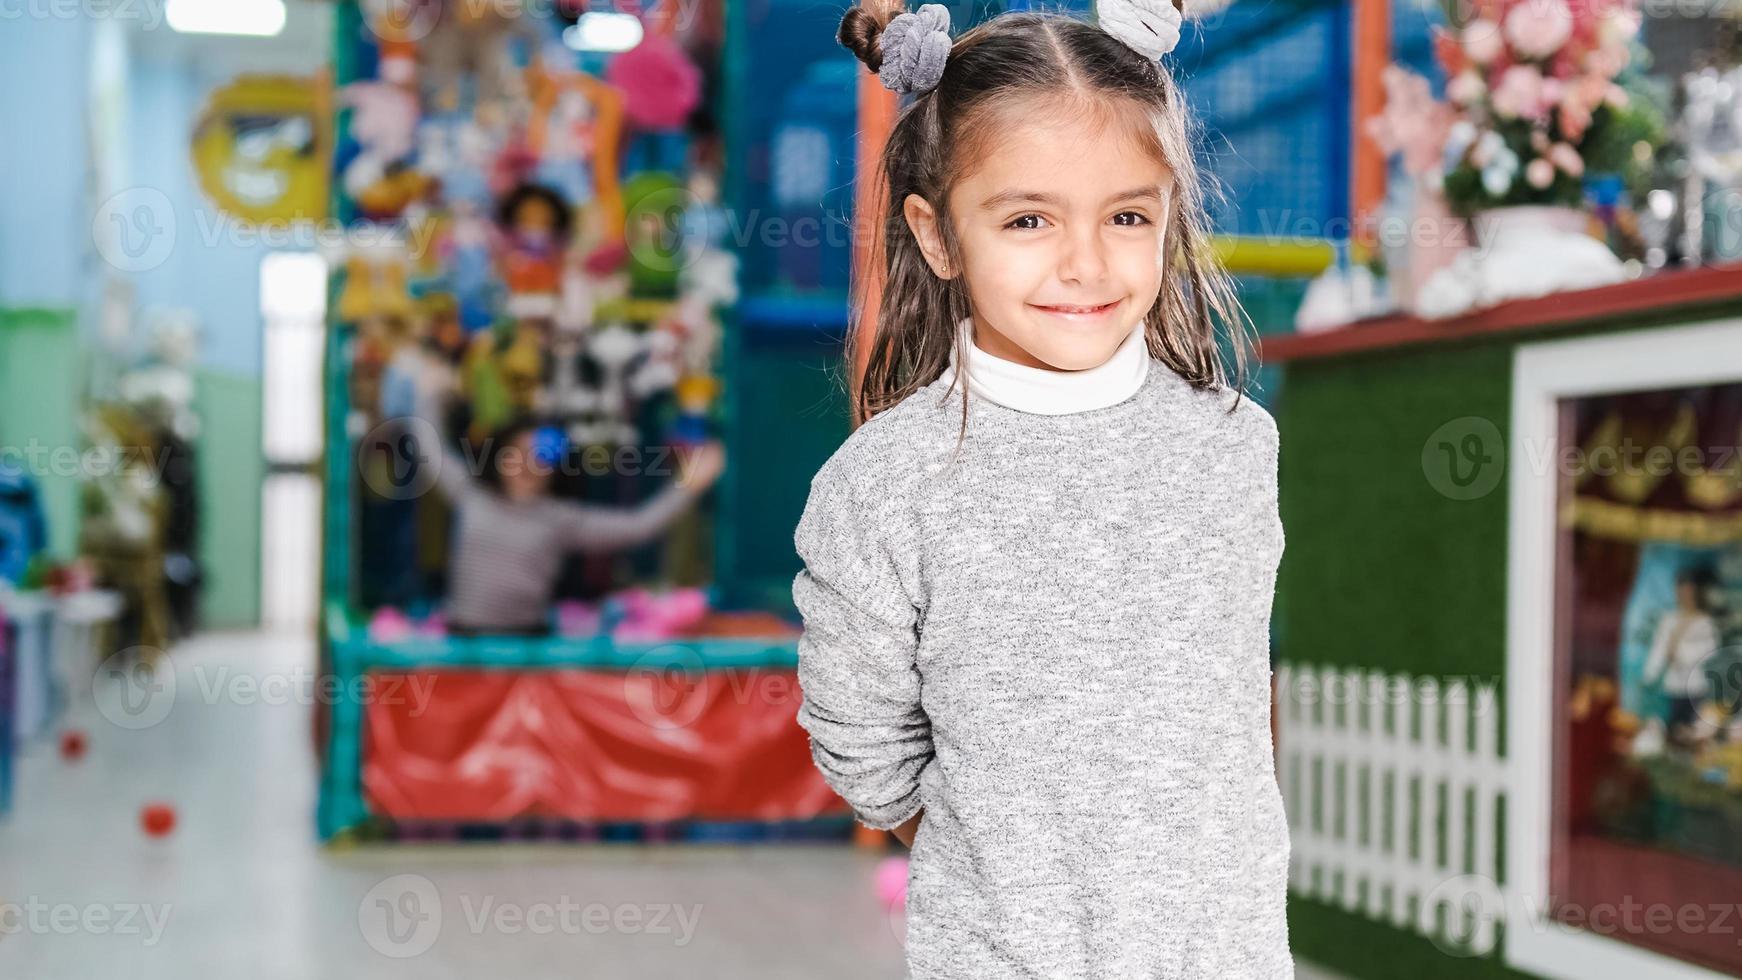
1061, 230
524, 475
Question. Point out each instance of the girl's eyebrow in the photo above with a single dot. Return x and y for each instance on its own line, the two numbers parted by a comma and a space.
1004, 198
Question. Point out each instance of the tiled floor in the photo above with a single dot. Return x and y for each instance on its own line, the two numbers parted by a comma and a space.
241, 890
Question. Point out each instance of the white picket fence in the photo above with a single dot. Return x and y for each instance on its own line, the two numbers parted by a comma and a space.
1393, 786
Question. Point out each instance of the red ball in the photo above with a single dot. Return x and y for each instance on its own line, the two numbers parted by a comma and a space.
158, 819
73, 745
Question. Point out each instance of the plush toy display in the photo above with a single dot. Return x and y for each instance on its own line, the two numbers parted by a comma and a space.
493, 166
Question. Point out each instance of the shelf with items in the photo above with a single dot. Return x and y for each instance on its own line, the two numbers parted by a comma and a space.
588, 285
1667, 294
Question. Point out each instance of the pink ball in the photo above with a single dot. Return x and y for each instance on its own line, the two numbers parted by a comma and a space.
892, 882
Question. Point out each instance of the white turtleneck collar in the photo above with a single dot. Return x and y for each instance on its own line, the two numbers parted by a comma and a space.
1048, 392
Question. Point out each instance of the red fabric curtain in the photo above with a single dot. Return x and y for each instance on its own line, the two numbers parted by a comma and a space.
488, 746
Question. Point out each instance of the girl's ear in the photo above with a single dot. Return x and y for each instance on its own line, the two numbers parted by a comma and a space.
922, 220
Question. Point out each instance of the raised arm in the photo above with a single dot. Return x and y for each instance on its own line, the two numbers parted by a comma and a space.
591, 527
861, 687
427, 429
597, 527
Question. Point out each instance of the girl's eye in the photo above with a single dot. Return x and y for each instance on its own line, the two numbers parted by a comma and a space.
1033, 222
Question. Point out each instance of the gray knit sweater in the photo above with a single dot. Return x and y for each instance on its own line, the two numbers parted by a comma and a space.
1057, 644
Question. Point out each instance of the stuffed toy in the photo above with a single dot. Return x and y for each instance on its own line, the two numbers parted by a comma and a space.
576, 130
533, 222
384, 126
474, 41
660, 84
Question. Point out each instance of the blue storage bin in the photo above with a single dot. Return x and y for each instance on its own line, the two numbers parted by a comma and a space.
6, 698
35, 695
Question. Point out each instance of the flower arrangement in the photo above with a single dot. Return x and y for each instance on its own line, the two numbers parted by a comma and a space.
1532, 103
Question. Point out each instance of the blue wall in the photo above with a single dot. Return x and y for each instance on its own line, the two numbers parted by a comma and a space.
86, 117
45, 243
211, 269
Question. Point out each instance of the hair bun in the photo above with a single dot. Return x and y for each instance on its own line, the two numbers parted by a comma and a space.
859, 33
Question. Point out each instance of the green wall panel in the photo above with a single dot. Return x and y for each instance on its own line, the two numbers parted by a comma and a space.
787, 414
41, 378
1381, 569
1360, 947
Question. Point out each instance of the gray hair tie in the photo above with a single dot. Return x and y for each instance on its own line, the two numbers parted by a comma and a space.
915, 46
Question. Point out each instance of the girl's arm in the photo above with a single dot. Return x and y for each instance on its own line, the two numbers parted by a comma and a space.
592, 527
428, 429
597, 527
905, 833
870, 737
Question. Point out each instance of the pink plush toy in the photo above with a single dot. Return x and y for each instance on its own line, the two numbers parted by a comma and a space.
389, 625
892, 883
433, 626
575, 618
650, 616
660, 85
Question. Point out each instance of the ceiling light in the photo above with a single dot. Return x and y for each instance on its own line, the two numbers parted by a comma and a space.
256, 18
600, 30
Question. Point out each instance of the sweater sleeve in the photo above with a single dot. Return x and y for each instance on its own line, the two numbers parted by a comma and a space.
861, 687
599, 527
452, 472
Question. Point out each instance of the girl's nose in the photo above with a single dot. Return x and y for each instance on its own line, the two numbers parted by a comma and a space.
1083, 260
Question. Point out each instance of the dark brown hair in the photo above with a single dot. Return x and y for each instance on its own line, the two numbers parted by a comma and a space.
938, 136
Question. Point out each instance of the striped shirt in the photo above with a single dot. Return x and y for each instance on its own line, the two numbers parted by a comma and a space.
507, 554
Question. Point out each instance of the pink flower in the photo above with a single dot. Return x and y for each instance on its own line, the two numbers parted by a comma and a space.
1481, 39
1539, 173
1565, 157
1467, 88
1582, 97
1575, 119
1412, 123
1538, 28
1616, 26
1519, 93
1606, 61
1553, 90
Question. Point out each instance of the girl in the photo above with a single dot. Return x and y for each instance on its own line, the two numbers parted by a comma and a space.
1036, 620
511, 535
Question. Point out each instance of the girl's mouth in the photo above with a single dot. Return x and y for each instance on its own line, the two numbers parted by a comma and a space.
1079, 312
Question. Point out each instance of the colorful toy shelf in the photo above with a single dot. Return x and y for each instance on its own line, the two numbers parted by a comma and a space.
570, 715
